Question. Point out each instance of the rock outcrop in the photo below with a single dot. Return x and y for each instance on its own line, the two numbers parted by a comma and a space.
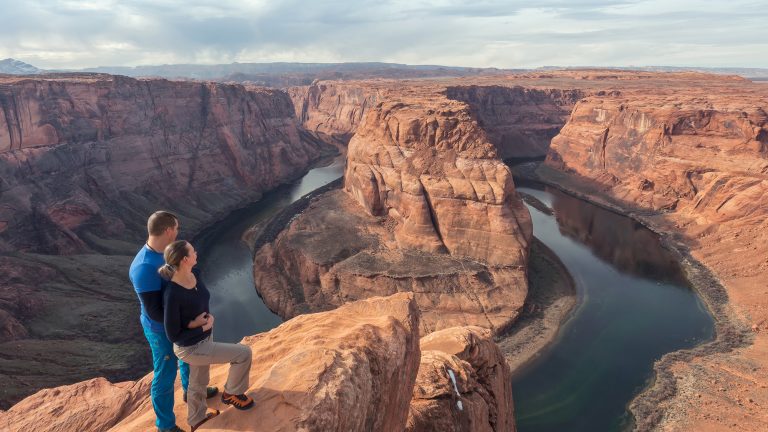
84, 159
464, 384
689, 156
428, 208
351, 369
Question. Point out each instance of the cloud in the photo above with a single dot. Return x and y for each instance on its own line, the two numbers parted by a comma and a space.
76, 33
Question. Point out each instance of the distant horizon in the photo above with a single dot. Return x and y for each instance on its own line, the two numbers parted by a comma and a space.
388, 63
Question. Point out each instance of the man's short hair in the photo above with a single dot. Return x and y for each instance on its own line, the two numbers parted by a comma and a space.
160, 221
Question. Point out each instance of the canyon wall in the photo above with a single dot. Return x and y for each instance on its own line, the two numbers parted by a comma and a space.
703, 158
689, 157
334, 109
519, 121
351, 369
84, 159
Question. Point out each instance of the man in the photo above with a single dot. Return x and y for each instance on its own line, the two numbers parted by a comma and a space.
162, 227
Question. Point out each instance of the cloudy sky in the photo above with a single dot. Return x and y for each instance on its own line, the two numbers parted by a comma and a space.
481, 33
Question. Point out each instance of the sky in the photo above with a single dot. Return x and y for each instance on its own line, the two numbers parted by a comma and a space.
481, 33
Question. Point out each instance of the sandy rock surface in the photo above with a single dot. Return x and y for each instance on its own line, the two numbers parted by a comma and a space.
351, 369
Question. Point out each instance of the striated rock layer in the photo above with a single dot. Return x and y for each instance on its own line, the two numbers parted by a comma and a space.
477, 398
428, 208
690, 158
351, 369
84, 159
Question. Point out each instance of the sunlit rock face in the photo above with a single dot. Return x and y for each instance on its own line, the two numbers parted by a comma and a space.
689, 152
351, 369
428, 166
464, 384
702, 156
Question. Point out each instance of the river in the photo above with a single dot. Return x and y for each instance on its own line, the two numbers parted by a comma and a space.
634, 305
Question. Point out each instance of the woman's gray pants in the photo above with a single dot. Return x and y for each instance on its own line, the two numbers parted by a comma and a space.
199, 357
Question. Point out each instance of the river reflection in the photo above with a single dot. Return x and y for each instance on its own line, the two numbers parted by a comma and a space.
634, 307
226, 262
618, 240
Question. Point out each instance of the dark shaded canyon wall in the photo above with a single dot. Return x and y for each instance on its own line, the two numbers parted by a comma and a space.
84, 160
334, 109
519, 121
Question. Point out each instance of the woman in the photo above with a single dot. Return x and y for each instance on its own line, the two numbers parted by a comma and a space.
188, 325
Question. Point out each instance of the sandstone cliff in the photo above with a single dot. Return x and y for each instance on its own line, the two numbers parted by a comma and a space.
477, 398
84, 159
427, 208
351, 369
689, 157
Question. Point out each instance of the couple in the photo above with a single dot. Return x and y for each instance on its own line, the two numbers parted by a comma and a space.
177, 324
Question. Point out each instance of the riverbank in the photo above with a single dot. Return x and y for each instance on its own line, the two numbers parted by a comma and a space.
551, 298
676, 397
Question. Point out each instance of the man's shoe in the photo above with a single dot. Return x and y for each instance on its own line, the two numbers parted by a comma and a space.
173, 429
209, 393
241, 401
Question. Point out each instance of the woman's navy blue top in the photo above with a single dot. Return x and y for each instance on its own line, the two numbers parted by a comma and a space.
181, 306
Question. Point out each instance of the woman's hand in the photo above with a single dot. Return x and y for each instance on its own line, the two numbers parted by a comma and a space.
199, 321
209, 324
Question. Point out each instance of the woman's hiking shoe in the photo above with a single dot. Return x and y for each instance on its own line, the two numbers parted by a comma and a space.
210, 415
241, 401
209, 393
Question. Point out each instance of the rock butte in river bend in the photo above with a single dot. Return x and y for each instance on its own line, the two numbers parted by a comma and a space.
435, 213
356, 368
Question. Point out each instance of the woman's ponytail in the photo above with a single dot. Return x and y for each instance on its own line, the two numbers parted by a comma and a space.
167, 271
173, 254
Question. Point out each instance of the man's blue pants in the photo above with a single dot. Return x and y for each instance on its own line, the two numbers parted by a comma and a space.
165, 363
